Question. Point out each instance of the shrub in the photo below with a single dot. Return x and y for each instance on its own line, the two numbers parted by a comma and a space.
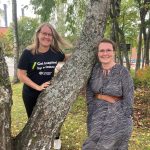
142, 77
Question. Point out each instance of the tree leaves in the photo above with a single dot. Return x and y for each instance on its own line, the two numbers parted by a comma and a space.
43, 8
74, 12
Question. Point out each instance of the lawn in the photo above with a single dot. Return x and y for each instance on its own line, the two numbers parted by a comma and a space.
73, 131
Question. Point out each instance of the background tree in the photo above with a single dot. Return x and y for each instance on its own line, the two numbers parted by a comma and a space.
26, 30
114, 15
123, 24
16, 40
74, 12
123, 27
75, 16
43, 8
144, 7
129, 21
6, 45
147, 47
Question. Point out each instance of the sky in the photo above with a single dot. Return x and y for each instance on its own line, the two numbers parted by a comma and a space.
20, 4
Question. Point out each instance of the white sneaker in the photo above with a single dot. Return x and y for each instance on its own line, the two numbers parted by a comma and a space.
57, 144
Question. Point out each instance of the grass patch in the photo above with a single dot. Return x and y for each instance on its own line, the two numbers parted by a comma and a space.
140, 139
19, 117
73, 132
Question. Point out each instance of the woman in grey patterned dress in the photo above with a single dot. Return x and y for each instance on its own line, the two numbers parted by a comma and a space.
109, 102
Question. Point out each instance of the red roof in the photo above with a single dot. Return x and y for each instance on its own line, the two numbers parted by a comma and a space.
3, 30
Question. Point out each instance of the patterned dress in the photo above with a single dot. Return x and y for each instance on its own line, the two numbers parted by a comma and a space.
109, 124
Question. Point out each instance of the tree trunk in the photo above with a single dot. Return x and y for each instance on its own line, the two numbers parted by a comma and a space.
144, 38
138, 60
125, 50
16, 40
54, 103
5, 105
114, 14
147, 45
143, 13
142, 5
121, 38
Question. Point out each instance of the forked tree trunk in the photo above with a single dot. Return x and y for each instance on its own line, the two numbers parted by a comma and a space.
5, 105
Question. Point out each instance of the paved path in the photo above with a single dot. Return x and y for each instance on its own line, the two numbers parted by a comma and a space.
10, 63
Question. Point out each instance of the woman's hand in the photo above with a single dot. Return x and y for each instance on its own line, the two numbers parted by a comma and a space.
43, 86
25, 79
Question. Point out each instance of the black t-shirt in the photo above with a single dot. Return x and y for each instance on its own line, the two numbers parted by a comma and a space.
40, 67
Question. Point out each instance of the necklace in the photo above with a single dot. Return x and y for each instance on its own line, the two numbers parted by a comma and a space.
106, 72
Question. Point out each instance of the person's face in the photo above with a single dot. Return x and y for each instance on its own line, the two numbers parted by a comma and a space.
106, 53
45, 37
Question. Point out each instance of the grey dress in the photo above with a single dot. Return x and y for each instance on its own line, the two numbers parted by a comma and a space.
109, 124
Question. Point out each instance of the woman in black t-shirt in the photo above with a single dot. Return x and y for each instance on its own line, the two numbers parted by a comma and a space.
37, 64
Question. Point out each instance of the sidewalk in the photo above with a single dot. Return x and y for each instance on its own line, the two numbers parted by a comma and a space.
10, 64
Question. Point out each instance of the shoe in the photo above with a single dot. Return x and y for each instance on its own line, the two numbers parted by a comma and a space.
57, 144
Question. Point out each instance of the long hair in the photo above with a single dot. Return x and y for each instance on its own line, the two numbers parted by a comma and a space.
56, 44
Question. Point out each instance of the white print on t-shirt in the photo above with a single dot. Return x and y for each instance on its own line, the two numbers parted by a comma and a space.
46, 65
45, 73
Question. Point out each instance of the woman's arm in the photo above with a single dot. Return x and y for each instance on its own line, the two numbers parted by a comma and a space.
25, 79
90, 105
128, 93
60, 64
108, 98
67, 56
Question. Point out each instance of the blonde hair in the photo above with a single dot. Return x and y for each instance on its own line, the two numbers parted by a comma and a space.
56, 44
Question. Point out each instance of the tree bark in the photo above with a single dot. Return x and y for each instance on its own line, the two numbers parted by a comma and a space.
138, 60
55, 102
142, 5
114, 14
5, 105
147, 44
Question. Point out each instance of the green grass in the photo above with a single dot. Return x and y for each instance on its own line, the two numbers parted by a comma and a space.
132, 72
140, 139
19, 117
73, 132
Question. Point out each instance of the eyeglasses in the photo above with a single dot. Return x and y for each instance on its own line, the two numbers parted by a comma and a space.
105, 50
46, 34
